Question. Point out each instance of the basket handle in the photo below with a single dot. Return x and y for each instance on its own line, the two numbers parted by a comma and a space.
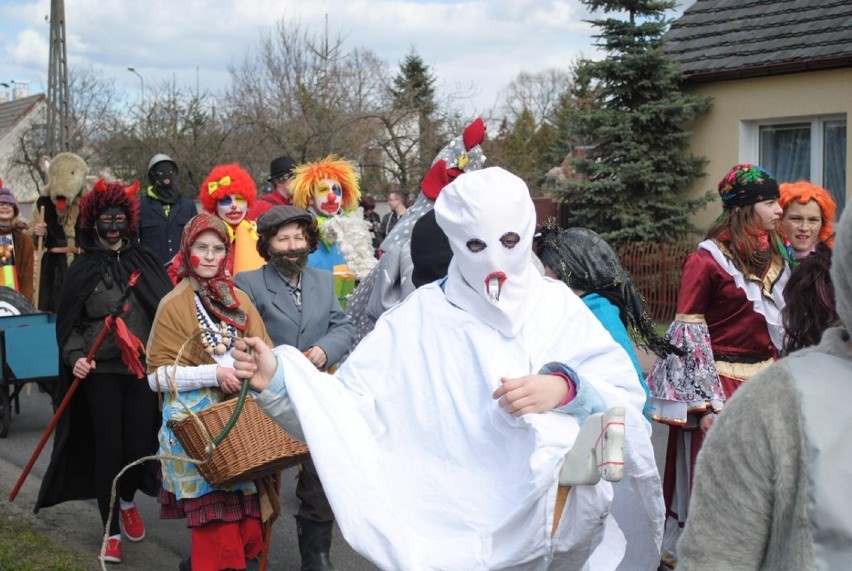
241, 399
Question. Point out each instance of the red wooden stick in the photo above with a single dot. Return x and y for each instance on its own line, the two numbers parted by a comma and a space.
108, 323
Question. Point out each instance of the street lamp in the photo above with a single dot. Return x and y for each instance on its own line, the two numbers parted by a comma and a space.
141, 80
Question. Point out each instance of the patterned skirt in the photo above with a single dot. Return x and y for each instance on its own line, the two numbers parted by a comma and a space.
215, 506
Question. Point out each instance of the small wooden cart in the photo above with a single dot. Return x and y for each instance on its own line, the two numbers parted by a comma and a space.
28, 354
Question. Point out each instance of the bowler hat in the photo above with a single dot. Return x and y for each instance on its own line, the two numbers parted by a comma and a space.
280, 215
280, 167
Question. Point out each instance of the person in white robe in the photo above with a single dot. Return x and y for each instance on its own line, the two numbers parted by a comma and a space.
439, 441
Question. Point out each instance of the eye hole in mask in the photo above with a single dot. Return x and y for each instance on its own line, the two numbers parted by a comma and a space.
510, 239
476, 245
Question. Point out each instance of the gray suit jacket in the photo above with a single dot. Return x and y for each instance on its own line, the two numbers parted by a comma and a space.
321, 321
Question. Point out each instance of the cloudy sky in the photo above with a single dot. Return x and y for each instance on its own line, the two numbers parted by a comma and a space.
474, 46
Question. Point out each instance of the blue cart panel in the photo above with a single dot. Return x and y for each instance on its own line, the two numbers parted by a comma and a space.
29, 347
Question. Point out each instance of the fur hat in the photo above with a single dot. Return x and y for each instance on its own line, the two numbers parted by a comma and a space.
6, 197
841, 268
308, 176
106, 195
225, 180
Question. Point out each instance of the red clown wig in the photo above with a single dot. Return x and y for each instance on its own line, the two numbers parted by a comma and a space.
803, 192
225, 180
106, 195
308, 176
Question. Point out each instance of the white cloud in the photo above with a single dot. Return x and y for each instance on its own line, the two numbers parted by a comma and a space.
483, 43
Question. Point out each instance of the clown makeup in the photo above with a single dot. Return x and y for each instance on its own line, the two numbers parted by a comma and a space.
328, 197
232, 208
768, 213
801, 225
207, 255
111, 227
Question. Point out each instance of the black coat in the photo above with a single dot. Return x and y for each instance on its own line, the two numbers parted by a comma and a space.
70, 474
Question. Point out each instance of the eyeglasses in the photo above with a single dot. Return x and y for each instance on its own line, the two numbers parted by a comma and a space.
204, 249
799, 221
227, 200
118, 219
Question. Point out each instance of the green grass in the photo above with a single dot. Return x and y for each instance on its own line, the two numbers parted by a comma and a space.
23, 549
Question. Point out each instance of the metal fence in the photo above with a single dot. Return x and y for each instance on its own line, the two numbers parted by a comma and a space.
656, 271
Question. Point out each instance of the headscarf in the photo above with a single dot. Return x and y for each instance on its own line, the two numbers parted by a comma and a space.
217, 293
584, 261
747, 184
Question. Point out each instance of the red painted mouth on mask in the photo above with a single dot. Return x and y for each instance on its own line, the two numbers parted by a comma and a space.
496, 280
61, 203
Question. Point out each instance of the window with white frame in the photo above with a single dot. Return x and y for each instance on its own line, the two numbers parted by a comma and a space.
804, 148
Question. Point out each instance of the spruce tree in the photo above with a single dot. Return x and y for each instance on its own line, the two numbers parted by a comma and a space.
413, 90
636, 166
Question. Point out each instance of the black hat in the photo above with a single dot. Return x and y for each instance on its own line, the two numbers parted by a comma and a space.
279, 215
280, 167
430, 251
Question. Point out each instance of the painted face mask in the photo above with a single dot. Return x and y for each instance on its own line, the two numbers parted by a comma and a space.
328, 197
111, 225
489, 219
232, 208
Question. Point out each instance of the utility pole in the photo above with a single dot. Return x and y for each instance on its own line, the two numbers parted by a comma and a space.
58, 103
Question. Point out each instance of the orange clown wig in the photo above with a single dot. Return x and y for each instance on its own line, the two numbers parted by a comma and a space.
225, 180
308, 176
803, 192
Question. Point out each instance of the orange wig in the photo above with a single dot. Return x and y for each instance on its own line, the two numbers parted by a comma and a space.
308, 176
224, 180
803, 192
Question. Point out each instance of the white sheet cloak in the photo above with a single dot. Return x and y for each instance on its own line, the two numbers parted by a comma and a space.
424, 470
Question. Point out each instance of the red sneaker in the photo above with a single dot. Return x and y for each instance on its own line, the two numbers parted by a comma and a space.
131, 521
113, 551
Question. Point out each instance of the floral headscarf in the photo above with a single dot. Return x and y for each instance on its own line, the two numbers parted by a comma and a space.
747, 184
217, 293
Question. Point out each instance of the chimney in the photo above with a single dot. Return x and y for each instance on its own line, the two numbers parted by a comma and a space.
20, 89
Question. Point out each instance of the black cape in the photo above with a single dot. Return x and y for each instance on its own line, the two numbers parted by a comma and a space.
70, 474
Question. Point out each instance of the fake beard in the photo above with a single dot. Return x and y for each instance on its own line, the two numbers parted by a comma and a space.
287, 267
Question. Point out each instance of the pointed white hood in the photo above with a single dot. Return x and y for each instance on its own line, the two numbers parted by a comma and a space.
489, 218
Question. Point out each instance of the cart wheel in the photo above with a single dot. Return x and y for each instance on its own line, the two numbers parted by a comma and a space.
13, 303
5, 411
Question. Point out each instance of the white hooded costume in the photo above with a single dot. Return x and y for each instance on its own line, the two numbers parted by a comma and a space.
423, 468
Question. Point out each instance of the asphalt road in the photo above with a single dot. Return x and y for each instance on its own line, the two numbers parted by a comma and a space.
77, 524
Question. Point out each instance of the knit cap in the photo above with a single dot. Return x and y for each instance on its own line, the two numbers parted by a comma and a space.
6, 197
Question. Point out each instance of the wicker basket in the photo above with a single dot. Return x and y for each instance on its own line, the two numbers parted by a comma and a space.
255, 447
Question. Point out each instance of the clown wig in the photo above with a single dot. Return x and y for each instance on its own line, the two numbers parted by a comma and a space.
106, 195
225, 180
309, 175
803, 192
